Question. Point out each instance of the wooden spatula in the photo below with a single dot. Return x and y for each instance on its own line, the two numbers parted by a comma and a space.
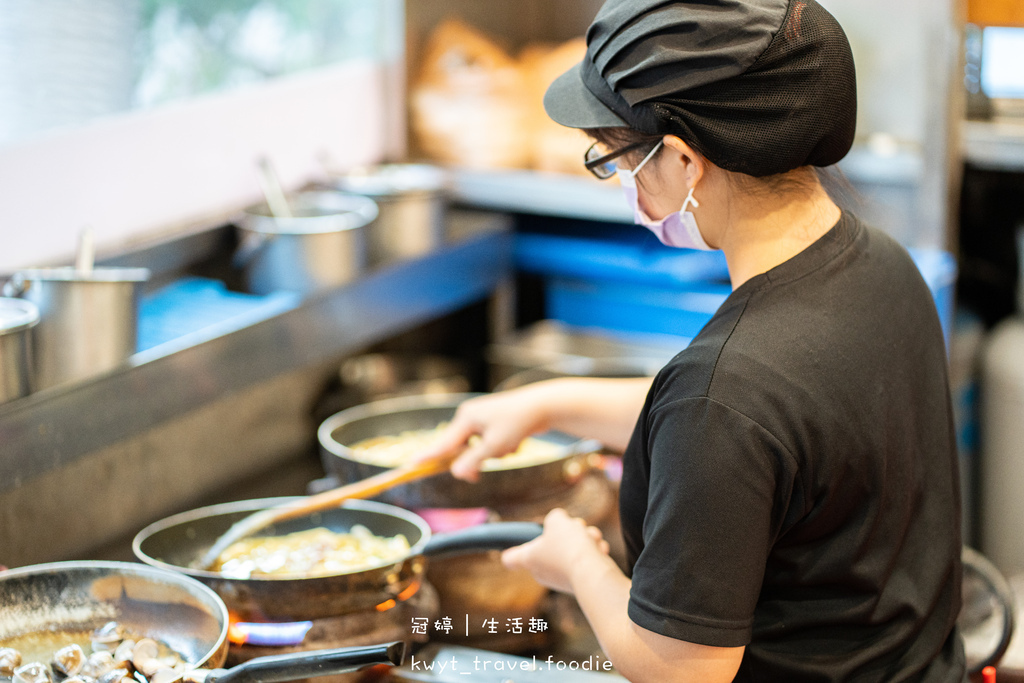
365, 488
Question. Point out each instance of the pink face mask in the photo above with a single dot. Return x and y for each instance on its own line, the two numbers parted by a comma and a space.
677, 229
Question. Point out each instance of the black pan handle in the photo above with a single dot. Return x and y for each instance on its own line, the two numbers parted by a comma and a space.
277, 668
475, 539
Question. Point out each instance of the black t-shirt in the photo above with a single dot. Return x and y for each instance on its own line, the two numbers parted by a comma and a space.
792, 481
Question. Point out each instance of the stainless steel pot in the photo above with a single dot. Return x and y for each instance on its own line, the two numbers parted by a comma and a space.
609, 368
17, 318
495, 487
552, 342
412, 203
88, 321
323, 245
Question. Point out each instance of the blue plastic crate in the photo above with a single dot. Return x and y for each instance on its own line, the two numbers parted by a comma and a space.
630, 284
939, 270
633, 286
641, 261
625, 307
193, 309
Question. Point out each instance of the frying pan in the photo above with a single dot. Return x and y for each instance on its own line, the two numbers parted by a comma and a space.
177, 542
495, 488
68, 600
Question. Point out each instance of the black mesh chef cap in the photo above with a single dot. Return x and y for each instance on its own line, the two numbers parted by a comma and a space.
757, 86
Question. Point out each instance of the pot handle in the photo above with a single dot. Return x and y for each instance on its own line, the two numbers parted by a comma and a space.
251, 243
277, 668
475, 539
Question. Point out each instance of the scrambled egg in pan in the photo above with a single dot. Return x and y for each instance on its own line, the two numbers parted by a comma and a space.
314, 552
396, 450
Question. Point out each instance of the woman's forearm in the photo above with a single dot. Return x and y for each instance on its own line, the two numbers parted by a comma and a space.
572, 558
603, 409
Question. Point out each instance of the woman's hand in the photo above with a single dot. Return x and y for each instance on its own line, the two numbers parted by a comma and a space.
501, 421
567, 545
602, 409
572, 558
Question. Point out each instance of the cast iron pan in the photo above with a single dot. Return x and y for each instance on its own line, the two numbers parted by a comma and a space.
177, 542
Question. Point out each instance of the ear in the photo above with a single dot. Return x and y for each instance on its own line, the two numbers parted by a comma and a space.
693, 163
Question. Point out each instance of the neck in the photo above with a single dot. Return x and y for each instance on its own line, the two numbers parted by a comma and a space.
763, 230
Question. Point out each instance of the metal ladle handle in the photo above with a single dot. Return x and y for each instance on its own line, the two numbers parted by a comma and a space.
277, 203
16, 286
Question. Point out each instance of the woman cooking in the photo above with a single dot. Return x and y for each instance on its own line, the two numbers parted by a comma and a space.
790, 496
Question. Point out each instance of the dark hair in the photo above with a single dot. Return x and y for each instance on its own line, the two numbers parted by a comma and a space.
840, 189
831, 178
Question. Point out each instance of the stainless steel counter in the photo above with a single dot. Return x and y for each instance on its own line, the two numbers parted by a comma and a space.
110, 453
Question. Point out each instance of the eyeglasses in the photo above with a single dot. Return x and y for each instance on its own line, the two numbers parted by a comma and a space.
603, 166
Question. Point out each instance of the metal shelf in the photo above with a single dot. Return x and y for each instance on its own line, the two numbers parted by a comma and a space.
580, 197
53, 428
546, 194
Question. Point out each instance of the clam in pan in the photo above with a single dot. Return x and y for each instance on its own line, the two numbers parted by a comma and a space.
114, 656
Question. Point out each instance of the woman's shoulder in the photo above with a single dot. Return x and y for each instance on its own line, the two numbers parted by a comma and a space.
857, 316
691, 372
882, 253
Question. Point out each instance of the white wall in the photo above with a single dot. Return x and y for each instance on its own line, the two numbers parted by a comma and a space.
907, 56
135, 176
890, 48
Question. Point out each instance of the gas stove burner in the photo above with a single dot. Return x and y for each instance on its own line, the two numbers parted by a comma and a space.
268, 634
453, 519
271, 633
384, 624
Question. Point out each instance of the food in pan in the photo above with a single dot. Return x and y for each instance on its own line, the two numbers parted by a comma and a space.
115, 656
399, 449
10, 659
314, 552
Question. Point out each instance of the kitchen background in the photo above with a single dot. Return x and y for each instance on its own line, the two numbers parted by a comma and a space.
143, 120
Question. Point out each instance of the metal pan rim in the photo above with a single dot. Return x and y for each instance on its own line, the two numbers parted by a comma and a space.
136, 568
260, 504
